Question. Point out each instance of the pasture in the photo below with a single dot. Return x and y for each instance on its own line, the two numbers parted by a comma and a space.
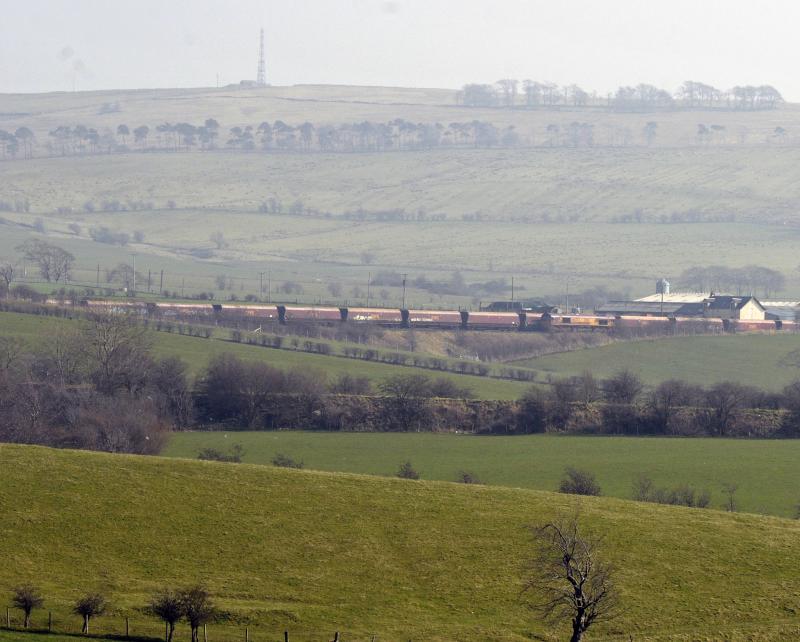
315, 552
768, 361
765, 471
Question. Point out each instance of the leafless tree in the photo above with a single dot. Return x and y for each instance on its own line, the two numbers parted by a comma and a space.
26, 598
197, 608
54, 263
168, 605
730, 496
89, 606
119, 351
568, 579
624, 387
7, 275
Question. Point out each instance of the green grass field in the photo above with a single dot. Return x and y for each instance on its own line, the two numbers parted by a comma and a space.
765, 471
197, 352
766, 361
317, 552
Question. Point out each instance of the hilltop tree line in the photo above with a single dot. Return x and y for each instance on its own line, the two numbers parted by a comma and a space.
366, 136
513, 94
751, 279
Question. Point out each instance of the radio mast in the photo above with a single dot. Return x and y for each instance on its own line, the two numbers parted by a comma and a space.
261, 77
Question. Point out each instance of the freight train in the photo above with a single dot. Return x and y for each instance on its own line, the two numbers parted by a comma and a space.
520, 320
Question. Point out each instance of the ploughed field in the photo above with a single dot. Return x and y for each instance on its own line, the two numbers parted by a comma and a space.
316, 552
765, 471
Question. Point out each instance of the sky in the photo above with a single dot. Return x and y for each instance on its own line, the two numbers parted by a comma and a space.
62, 45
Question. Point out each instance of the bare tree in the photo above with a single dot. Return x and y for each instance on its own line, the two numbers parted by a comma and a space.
568, 578
624, 387
119, 350
168, 605
730, 496
197, 608
26, 598
89, 606
54, 263
7, 274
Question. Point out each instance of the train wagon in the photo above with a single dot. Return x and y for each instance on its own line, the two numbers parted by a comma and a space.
752, 325
433, 318
265, 312
187, 310
493, 320
116, 307
301, 314
686, 325
379, 316
634, 322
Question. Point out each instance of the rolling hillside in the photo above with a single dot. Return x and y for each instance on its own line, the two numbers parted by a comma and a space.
766, 361
316, 552
764, 470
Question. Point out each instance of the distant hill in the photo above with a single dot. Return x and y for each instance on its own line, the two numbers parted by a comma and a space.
318, 552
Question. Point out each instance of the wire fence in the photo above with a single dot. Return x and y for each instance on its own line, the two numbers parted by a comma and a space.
140, 627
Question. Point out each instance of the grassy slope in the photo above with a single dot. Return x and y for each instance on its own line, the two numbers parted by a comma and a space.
595, 184
332, 104
196, 352
765, 471
767, 361
421, 560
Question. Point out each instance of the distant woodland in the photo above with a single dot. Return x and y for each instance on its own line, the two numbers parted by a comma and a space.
514, 94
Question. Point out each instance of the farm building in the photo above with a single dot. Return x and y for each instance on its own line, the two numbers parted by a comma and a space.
713, 306
746, 308
651, 309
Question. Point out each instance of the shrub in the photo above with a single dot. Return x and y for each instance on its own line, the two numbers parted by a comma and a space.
212, 454
578, 482
467, 477
284, 461
406, 471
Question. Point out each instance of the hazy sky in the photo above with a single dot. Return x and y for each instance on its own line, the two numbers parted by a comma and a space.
599, 44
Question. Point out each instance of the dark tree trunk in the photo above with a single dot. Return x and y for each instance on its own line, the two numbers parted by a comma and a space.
27, 620
85, 628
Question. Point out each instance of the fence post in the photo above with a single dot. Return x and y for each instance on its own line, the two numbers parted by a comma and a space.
166, 631
127, 628
336, 637
285, 634
8, 619
205, 634
49, 621
246, 634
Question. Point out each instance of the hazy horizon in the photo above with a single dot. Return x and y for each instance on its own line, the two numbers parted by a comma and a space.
92, 45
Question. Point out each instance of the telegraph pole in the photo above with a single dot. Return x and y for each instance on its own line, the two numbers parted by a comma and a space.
404, 290
134, 275
369, 283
